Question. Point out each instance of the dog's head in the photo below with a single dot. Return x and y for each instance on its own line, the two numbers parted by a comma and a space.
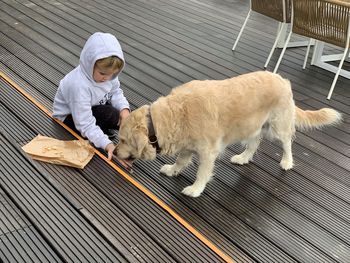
133, 137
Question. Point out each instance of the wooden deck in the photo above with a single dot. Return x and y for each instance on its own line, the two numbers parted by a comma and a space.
251, 213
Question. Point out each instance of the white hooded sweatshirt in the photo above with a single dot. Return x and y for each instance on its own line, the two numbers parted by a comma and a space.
78, 91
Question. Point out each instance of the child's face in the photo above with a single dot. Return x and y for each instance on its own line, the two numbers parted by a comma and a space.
102, 75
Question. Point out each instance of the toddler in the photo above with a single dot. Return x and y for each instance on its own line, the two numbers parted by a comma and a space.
89, 99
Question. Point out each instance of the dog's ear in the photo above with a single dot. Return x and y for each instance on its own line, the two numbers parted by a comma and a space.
140, 141
144, 149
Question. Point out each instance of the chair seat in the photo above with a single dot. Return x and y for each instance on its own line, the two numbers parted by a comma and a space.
276, 9
323, 20
330, 33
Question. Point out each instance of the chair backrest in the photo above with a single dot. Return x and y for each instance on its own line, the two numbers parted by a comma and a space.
325, 20
279, 10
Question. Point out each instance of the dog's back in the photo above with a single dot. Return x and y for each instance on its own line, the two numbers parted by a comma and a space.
235, 108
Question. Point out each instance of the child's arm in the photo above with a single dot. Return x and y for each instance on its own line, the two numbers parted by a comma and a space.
118, 99
123, 114
85, 123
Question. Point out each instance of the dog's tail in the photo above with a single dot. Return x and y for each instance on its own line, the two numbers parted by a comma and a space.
306, 119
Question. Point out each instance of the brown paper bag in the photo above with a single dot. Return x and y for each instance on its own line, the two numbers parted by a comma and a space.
76, 153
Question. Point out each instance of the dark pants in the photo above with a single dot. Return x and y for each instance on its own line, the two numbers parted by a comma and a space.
106, 116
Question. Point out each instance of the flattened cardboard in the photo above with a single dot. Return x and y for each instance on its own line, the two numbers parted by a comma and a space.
75, 153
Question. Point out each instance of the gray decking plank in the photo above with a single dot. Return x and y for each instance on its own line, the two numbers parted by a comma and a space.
50, 214
19, 238
202, 33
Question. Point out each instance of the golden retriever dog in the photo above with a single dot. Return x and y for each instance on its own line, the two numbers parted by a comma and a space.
204, 117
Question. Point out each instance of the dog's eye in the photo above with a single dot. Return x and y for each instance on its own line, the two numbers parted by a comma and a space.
122, 141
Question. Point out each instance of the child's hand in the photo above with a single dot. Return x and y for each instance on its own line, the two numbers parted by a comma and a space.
123, 114
110, 149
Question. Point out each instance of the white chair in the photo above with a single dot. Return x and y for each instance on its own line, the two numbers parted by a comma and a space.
276, 9
323, 20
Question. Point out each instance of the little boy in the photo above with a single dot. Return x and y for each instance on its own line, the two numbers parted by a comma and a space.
89, 99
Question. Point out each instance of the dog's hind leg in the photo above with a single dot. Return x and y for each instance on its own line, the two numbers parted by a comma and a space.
204, 173
252, 145
284, 131
184, 158
287, 158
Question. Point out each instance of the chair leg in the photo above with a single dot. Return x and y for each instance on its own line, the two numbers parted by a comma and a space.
307, 53
282, 53
281, 29
337, 74
241, 31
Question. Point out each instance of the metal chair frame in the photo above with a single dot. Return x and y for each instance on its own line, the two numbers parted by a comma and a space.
276, 9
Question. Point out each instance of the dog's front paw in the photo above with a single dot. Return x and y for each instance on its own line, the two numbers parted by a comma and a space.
192, 191
168, 170
239, 159
286, 164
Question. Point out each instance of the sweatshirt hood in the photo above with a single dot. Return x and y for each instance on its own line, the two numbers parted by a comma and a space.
99, 45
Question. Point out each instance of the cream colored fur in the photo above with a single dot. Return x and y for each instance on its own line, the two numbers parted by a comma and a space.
203, 117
